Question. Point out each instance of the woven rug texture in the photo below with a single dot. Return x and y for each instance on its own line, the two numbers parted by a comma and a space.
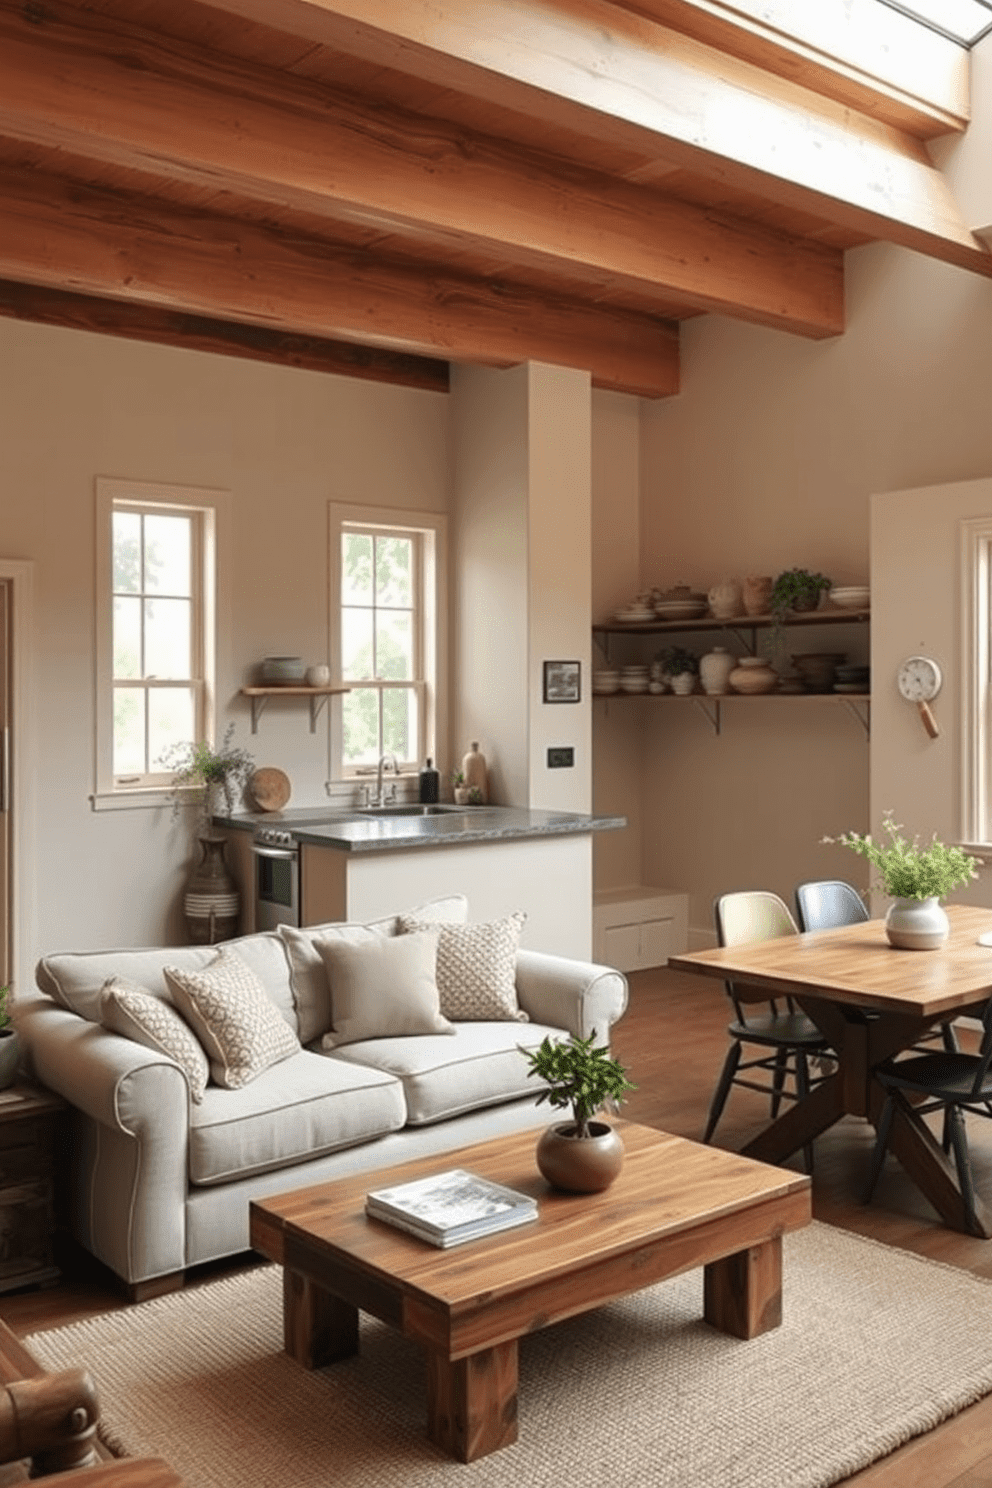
877, 1345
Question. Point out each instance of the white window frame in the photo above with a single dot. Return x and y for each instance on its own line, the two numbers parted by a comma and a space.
208, 506
431, 642
976, 684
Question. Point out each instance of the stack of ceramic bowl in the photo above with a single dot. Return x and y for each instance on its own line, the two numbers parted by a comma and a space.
634, 679
852, 679
606, 680
638, 612
679, 603
817, 669
854, 597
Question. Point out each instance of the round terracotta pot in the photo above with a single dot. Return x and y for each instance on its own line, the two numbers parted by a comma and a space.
580, 1164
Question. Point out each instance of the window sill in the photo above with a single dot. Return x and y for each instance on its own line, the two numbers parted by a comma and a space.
143, 797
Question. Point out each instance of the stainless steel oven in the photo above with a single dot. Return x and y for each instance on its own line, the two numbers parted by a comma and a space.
276, 857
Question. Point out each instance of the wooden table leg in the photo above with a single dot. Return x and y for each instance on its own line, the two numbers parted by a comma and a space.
472, 1403
318, 1328
742, 1293
800, 1124
931, 1170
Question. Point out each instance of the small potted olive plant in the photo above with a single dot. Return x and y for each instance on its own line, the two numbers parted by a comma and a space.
796, 589
917, 878
10, 1044
461, 792
581, 1155
681, 667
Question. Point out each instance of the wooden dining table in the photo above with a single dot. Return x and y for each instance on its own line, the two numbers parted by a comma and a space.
871, 1002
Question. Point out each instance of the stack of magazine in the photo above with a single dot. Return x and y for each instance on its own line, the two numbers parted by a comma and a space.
449, 1208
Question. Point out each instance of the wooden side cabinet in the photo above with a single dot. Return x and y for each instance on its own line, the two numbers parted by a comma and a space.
30, 1121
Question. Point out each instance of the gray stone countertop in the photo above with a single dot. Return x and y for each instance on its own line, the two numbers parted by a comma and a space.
412, 826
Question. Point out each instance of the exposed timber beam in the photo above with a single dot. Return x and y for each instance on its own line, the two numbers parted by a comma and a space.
589, 66
96, 89
137, 322
856, 51
65, 236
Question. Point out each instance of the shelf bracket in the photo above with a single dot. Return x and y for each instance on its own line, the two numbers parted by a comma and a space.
257, 709
713, 717
316, 703
860, 711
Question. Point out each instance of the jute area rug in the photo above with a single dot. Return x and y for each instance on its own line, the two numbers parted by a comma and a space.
877, 1346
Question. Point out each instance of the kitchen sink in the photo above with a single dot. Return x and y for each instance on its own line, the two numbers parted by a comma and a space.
408, 811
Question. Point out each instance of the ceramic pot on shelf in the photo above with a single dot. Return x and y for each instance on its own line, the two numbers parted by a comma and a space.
753, 674
580, 1164
725, 599
683, 683
714, 669
916, 924
756, 592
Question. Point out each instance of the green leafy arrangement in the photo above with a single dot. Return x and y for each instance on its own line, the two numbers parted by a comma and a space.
4, 1013
676, 660
200, 764
907, 870
796, 584
579, 1075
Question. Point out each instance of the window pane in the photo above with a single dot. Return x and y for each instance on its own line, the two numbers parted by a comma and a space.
167, 638
127, 637
356, 568
171, 720
356, 644
394, 645
394, 571
361, 726
127, 552
399, 723
167, 555
129, 731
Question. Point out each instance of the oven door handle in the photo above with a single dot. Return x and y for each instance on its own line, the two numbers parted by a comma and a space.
284, 854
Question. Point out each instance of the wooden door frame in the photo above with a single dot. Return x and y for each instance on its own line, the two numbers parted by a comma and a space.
23, 749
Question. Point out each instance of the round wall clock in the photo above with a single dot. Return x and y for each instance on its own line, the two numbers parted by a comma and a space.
919, 680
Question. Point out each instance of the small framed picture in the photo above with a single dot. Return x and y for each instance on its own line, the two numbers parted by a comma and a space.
562, 682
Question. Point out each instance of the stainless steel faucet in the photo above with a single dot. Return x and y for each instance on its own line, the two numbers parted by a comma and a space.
378, 779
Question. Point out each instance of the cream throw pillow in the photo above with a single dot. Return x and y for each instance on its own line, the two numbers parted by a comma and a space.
477, 969
383, 987
136, 1014
227, 1007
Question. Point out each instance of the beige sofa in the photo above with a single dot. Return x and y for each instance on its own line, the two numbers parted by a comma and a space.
160, 1181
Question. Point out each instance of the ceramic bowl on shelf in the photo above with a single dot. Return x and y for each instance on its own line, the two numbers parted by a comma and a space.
634, 684
853, 597
605, 681
282, 671
818, 669
634, 615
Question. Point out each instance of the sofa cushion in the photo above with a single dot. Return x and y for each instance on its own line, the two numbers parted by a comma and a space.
296, 1110
383, 987
480, 1066
308, 977
135, 1014
226, 1006
76, 978
476, 968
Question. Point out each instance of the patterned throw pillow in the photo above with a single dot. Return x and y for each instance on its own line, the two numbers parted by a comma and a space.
131, 1011
476, 969
228, 1009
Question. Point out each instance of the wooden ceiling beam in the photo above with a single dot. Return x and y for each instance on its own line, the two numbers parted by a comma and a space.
858, 52
61, 235
125, 98
591, 67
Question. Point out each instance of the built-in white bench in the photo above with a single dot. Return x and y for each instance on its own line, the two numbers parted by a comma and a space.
638, 926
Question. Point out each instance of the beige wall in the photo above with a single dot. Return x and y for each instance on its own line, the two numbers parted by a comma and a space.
283, 443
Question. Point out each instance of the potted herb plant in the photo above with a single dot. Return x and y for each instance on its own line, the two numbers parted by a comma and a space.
459, 789
917, 878
582, 1155
10, 1044
796, 589
222, 773
680, 666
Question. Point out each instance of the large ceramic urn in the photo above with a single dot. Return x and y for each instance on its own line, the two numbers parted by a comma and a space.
211, 903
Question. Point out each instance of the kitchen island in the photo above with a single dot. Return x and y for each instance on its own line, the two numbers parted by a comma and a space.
362, 864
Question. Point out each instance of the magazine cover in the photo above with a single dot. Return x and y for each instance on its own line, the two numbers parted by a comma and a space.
447, 1202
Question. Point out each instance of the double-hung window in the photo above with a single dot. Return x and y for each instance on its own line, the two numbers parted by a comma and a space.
976, 673
155, 586
387, 639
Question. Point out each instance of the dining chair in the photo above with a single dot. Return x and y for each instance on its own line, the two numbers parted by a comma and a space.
829, 903
948, 1081
786, 1037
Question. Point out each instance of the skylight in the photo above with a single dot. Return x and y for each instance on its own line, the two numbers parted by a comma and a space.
963, 21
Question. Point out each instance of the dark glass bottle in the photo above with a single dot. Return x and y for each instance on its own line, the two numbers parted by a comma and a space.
430, 784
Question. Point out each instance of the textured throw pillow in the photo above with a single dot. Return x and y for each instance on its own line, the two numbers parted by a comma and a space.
129, 1010
227, 1007
476, 969
384, 987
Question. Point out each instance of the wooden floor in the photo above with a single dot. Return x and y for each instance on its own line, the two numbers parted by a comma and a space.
673, 1041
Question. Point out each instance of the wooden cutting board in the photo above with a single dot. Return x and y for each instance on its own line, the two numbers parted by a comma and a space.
270, 788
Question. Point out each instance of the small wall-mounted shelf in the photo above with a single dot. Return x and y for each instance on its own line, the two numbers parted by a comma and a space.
738, 625
259, 696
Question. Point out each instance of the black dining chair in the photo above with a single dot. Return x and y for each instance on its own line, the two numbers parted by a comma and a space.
829, 903
947, 1081
785, 1036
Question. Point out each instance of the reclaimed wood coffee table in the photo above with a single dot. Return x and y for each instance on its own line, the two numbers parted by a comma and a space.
676, 1205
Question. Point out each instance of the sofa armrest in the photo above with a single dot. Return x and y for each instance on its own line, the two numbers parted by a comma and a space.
129, 1157
579, 996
